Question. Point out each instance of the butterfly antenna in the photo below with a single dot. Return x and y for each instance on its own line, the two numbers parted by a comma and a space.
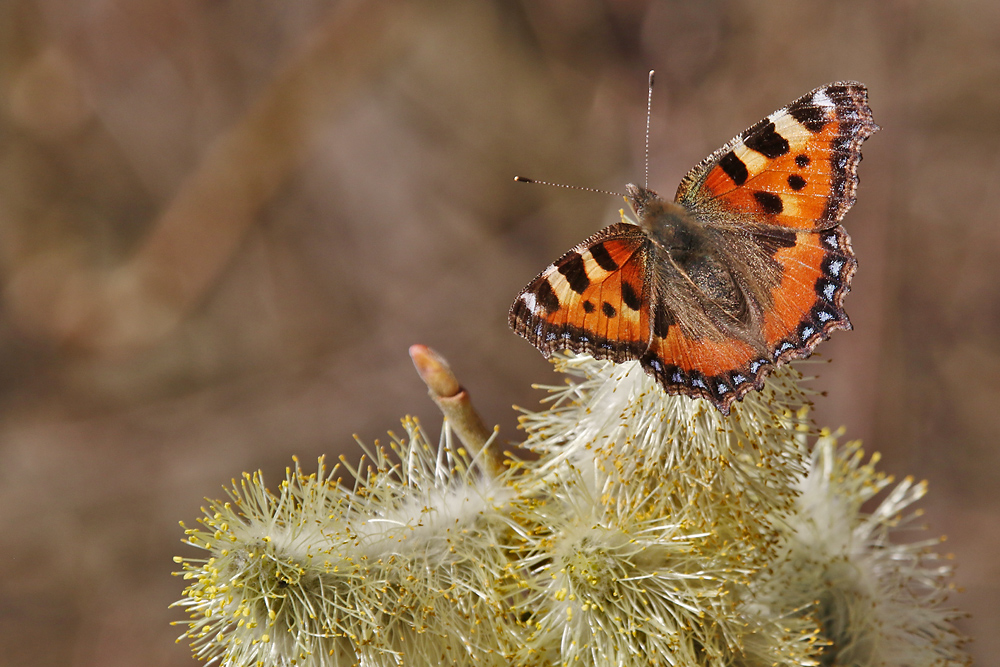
649, 110
522, 179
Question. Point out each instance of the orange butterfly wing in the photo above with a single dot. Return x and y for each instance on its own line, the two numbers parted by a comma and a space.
816, 269
796, 169
788, 181
594, 299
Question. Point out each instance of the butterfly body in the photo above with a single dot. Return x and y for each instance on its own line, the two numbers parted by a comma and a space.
743, 271
683, 250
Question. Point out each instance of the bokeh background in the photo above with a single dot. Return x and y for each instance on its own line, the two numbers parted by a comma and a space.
223, 222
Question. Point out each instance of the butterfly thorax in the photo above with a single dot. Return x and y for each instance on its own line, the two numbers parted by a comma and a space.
692, 250
670, 226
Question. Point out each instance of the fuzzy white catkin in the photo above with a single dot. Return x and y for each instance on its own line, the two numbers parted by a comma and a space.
646, 529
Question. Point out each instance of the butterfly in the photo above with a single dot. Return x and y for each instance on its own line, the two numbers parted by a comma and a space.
744, 270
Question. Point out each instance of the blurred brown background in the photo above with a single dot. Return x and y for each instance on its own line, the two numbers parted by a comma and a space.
222, 223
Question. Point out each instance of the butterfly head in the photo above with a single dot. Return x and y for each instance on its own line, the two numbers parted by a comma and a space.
642, 201
667, 224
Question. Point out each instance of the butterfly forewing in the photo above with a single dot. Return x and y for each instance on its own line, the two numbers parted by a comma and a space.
796, 168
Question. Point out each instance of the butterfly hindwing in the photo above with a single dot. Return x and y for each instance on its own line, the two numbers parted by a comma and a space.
593, 299
803, 308
807, 304
717, 370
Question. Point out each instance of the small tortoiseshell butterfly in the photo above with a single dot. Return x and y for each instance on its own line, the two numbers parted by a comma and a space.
745, 270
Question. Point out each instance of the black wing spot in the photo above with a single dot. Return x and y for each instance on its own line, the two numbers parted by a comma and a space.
608, 309
809, 115
796, 182
663, 319
588, 306
802, 160
775, 239
547, 297
630, 297
764, 139
834, 92
734, 168
770, 202
603, 257
575, 272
